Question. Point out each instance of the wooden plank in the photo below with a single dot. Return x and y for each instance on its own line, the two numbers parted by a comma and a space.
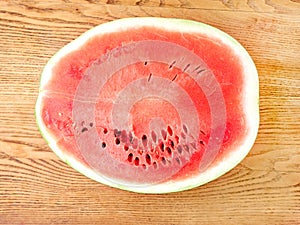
264, 6
37, 188
273, 6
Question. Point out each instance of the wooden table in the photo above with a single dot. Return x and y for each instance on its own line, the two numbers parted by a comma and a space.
37, 188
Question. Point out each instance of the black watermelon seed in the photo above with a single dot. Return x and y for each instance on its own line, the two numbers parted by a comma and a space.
174, 77
172, 64
144, 137
200, 71
150, 75
84, 129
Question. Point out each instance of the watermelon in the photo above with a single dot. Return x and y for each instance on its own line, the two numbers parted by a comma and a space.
150, 105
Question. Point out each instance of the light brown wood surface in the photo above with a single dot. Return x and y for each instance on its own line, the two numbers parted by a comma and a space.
37, 188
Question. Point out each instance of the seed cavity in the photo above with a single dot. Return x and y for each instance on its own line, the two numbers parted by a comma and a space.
156, 152
148, 159
135, 143
130, 157
155, 165
91, 124
179, 149
105, 131
178, 161
163, 160
171, 143
117, 141
153, 136
130, 137
169, 150
186, 148
124, 136
170, 131
164, 134
162, 146
117, 133
185, 128
144, 137
140, 151
177, 139
193, 144
183, 135
136, 161
145, 143
126, 148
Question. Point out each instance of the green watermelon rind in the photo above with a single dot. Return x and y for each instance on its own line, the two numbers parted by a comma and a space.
215, 170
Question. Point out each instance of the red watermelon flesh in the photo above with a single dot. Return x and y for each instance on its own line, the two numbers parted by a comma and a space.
147, 105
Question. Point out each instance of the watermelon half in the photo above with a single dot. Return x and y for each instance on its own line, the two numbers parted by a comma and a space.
150, 105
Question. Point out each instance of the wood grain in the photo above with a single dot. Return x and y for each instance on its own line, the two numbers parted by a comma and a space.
37, 188
239, 5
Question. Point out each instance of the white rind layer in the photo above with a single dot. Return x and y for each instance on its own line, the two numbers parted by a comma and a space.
251, 102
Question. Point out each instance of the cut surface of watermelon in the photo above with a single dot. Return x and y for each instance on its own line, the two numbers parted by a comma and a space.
150, 105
